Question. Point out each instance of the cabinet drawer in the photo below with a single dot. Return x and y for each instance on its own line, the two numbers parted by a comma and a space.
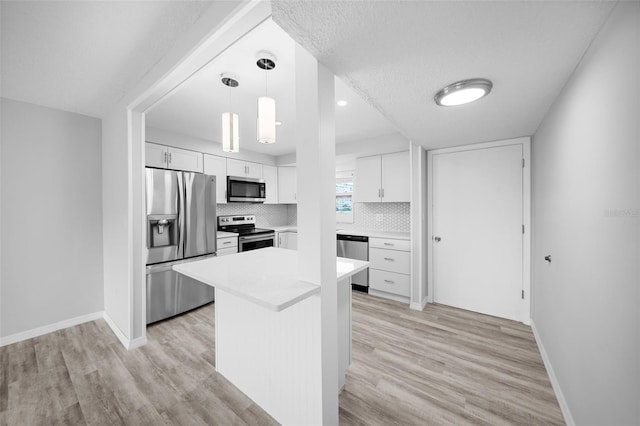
224, 243
226, 251
390, 260
390, 282
387, 243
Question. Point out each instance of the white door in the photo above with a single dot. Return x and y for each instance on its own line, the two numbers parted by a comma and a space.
367, 180
395, 177
270, 176
155, 155
478, 219
183, 159
287, 185
254, 170
217, 166
236, 167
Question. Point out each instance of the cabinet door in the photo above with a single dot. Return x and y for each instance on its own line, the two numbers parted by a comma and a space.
366, 183
254, 170
183, 159
236, 167
217, 166
270, 176
292, 241
287, 185
395, 177
155, 155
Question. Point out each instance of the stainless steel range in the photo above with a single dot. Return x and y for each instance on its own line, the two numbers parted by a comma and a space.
249, 237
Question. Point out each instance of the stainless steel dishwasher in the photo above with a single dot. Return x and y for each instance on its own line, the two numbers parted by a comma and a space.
355, 247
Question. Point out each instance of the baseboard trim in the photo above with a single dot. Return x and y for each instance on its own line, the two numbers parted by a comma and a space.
50, 328
564, 407
126, 342
419, 306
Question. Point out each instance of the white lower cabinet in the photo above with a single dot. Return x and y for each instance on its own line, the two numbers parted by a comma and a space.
227, 245
390, 267
288, 240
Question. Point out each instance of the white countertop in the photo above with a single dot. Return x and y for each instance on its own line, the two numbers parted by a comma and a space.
267, 277
355, 231
372, 233
224, 234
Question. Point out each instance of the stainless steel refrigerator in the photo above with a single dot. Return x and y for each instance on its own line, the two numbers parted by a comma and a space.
181, 227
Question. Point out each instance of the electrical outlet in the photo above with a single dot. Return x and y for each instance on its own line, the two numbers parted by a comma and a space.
379, 217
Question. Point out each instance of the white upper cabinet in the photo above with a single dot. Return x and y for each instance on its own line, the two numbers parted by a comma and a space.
270, 176
366, 183
287, 185
382, 178
244, 168
395, 177
155, 155
217, 166
167, 157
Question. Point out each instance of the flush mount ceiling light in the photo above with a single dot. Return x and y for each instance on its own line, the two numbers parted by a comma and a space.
230, 127
341, 103
463, 92
266, 105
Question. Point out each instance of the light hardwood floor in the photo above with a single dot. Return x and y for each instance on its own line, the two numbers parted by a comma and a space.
440, 366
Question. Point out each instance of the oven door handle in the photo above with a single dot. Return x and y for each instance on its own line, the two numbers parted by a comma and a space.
257, 237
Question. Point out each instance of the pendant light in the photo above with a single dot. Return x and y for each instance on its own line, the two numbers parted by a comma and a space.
230, 126
266, 106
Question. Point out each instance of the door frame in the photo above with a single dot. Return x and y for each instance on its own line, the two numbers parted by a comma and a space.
525, 142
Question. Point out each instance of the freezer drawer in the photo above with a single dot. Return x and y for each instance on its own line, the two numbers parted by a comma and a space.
170, 293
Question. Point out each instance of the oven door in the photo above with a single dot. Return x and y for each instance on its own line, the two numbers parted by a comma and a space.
256, 242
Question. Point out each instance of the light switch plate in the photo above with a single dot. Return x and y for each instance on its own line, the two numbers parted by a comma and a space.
379, 217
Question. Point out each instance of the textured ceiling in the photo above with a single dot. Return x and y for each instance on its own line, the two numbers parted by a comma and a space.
196, 107
398, 54
82, 56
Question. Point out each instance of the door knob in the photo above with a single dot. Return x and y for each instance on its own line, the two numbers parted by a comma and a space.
437, 239
548, 258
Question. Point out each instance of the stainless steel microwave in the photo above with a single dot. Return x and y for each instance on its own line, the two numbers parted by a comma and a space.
245, 190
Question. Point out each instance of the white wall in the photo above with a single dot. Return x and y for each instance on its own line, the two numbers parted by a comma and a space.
587, 217
51, 217
116, 224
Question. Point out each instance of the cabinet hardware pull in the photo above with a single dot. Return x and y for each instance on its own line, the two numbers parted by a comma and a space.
227, 242
389, 244
389, 258
165, 157
389, 281
169, 157
379, 193
382, 192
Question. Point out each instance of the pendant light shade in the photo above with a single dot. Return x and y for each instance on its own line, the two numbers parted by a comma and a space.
266, 125
230, 132
230, 125
266, 120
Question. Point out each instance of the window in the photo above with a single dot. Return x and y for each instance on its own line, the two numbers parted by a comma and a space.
344, 197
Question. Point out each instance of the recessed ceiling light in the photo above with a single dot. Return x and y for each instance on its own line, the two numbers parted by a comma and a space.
341, 102
463, 92
278, 123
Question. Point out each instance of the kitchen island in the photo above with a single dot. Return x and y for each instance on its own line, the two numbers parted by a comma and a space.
267, 328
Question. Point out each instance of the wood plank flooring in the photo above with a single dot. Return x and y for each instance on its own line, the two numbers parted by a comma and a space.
440, 366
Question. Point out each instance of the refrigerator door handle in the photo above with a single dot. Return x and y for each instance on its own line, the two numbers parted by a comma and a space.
181, 215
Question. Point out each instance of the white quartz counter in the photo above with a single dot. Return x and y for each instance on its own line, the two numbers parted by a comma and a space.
364, 232
376, 234
224, 234
267, 277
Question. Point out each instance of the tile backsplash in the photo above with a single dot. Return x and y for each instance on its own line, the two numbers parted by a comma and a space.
266, 214
395, 217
